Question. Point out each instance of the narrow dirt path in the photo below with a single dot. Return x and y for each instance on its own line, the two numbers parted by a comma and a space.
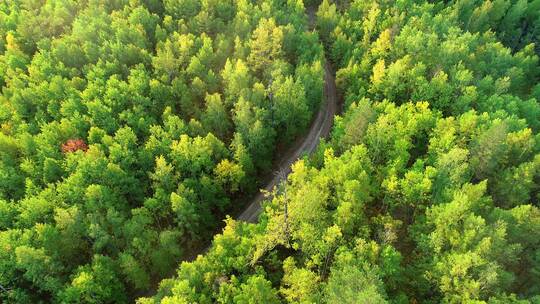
320, 128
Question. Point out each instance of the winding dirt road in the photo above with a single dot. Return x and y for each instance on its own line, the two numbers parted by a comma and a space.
320, 128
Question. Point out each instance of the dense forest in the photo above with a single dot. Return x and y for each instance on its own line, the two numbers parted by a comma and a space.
130, 130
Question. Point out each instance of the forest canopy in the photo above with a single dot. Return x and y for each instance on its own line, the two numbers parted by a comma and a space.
130, 130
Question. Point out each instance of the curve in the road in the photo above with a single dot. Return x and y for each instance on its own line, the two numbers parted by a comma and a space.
320, 128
